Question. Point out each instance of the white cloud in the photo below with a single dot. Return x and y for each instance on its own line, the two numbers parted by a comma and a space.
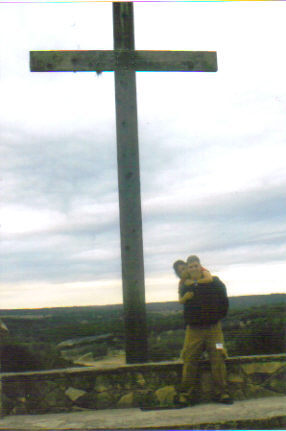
18, 219
246, 279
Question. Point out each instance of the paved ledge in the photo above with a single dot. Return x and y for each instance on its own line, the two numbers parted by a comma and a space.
263, 413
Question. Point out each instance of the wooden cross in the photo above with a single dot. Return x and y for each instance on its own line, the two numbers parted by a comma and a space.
124, 60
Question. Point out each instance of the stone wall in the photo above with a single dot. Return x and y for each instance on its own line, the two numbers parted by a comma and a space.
134, 385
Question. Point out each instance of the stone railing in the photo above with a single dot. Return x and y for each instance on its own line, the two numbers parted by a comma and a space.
149, 384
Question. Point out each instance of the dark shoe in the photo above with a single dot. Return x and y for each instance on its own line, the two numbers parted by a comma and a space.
224, 399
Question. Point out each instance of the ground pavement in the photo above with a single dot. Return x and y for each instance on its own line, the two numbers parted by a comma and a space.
263, 413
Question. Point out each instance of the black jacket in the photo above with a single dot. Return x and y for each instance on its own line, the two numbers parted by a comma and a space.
208, 305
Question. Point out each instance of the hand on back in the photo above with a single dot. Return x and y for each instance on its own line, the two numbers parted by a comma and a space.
188, 295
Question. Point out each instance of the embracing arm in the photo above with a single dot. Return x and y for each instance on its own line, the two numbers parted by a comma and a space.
184, 298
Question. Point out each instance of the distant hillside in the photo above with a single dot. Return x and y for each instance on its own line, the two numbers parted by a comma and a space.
257, 300
236, 302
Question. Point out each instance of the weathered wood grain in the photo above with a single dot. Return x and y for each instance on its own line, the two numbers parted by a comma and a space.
157, 61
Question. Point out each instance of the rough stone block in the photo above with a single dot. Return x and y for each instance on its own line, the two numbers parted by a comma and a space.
84, 382
264, 367
87, 401
125, 381
61, 382
126, 401
57, 398
256, 391
104, 400
140, 380
144, 398
13, 389
171, 378
235, 378
153, 380
44, 395
166, 395
277, 382
39, 389
103, 384
7, 404
73, 393
259, 378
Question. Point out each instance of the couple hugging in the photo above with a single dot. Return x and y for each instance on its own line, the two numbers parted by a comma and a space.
205, 303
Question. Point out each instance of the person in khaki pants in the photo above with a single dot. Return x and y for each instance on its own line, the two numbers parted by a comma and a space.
205, 304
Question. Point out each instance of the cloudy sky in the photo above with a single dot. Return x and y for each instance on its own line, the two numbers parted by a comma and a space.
212, 153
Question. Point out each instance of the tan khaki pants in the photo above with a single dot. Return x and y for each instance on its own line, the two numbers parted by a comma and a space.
198, 340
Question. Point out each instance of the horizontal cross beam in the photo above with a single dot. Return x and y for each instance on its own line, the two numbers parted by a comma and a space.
155, 61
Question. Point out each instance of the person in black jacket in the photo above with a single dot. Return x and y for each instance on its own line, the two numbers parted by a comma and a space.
205, 304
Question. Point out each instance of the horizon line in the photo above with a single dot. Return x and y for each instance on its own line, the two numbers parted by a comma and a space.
121, 303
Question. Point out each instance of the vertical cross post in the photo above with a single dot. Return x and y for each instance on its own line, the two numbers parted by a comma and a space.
129, 191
